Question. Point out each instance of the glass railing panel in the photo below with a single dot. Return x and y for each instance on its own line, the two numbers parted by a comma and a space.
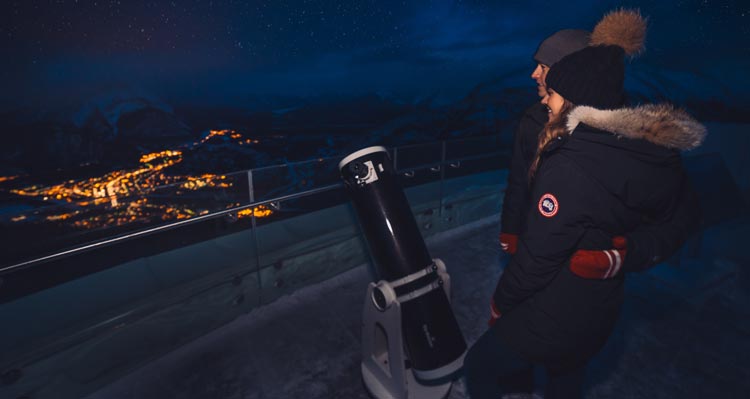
417, 155
49, 304
420, 176
271, 182
471, 196
287, 191
475, 155
316, 173
425, 203
35, 224
474, 168
473, 179
294, 178
473, 146
313, 239
420, 171
467, 167
93, 352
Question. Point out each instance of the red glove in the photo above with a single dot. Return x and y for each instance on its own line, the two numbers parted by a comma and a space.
599, 264
509, 242
494, 314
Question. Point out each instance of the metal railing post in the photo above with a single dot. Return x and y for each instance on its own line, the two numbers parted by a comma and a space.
254, 229
442, 178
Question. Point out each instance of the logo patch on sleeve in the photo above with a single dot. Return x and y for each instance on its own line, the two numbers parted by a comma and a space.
548, 205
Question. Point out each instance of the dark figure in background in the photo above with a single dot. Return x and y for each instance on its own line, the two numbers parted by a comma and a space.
526, 139
600, 171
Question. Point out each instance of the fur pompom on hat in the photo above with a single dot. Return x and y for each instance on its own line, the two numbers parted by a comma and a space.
622, 28
595, 75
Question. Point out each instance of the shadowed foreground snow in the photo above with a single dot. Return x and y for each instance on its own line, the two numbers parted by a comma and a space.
684, 332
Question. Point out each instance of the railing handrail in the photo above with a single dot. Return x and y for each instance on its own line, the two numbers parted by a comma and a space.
297, 163
224, 212
164, 227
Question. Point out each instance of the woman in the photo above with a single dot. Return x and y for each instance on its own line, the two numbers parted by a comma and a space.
600, 171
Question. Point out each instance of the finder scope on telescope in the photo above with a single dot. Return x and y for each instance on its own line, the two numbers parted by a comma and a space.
432, 337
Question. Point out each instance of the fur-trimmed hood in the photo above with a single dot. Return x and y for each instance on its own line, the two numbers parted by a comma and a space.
660, 124
643, 172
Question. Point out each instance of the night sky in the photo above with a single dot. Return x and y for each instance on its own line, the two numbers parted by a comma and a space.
228, 51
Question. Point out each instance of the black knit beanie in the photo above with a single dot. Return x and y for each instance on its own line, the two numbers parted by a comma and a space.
560, 44
593, 76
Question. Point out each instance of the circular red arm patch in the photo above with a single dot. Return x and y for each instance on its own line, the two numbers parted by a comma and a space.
548, 205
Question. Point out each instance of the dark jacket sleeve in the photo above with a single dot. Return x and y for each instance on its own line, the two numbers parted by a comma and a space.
549, 239
525, 143
657, 240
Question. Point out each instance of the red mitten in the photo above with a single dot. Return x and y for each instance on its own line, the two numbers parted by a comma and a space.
509, 242
599, 264
494, 314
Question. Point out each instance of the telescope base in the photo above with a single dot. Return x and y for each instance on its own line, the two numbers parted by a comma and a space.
386, 373
413, 390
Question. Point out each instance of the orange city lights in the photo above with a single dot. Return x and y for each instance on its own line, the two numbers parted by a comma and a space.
119, 197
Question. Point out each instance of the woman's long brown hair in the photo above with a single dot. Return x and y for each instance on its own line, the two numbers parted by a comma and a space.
554, 128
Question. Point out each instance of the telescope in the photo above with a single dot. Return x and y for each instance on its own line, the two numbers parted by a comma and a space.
412, 344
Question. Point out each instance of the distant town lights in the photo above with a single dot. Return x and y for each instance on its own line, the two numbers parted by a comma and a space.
124, 191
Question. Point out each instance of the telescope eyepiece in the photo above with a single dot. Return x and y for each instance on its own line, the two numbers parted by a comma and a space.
359, 170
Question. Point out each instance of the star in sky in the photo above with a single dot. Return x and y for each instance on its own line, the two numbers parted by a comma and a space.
189, 48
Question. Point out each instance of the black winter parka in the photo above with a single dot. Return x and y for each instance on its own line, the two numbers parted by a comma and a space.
617, 171
649, 245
